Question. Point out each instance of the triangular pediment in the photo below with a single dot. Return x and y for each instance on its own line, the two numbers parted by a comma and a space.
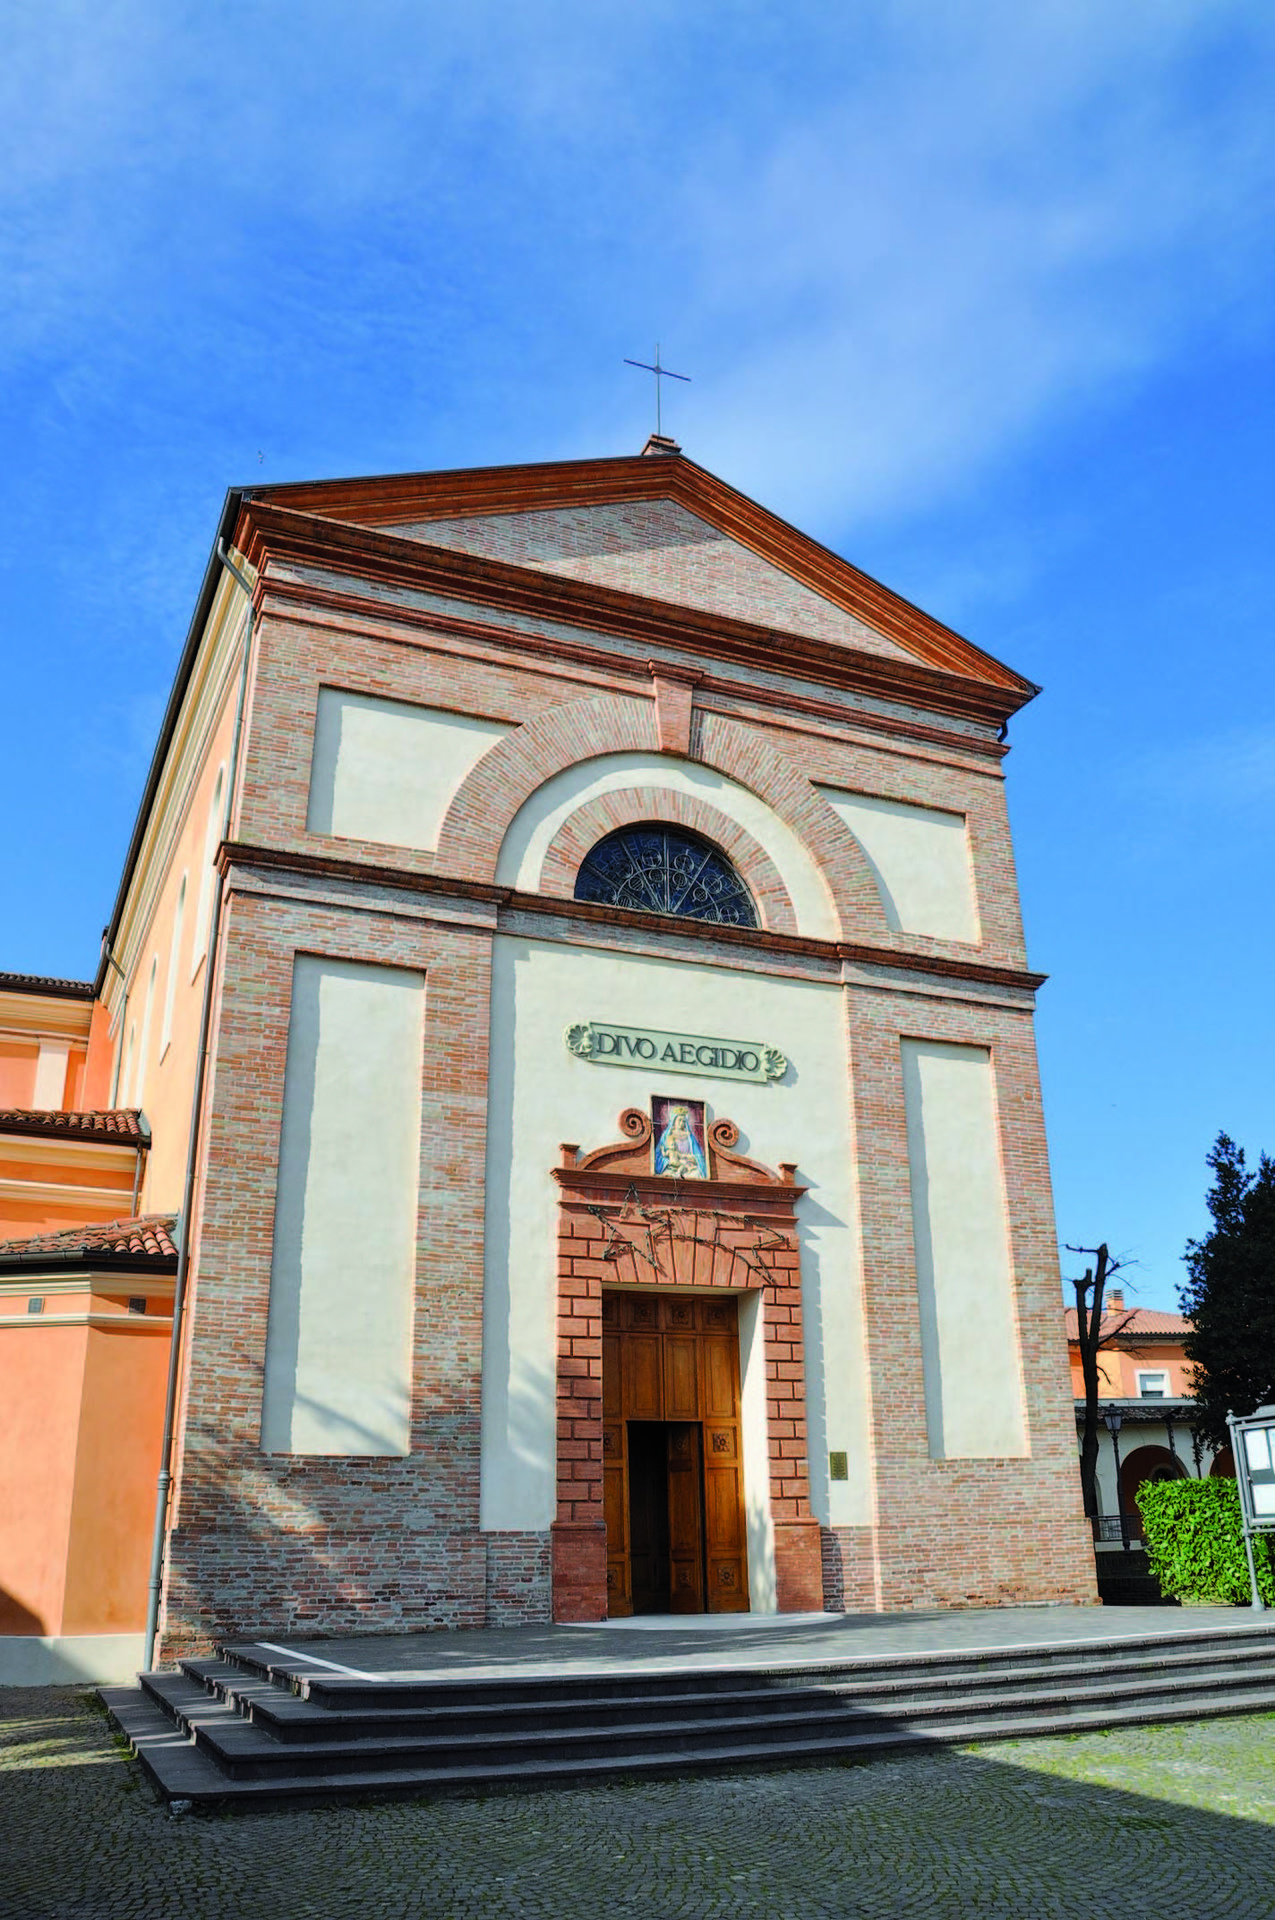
660, 527
659, 548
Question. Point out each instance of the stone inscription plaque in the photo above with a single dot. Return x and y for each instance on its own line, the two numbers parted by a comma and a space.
605, 1044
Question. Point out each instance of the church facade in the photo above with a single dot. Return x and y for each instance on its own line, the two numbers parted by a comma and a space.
618, 1181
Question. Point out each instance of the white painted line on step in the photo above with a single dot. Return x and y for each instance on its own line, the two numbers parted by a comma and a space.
334, 1666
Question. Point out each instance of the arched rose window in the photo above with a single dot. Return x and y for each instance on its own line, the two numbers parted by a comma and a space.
658, 869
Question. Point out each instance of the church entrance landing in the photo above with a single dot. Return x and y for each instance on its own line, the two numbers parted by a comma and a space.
659, 1275
672, 1459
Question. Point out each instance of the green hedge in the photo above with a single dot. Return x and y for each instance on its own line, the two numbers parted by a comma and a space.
1191, 1530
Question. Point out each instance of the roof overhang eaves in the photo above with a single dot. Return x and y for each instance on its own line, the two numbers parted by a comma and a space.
265, 531
172, 713
91, 1136
1139, 1409
40, 986
87, 1260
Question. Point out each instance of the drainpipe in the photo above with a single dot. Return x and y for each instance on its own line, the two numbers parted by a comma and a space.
137, 1177
164, 1484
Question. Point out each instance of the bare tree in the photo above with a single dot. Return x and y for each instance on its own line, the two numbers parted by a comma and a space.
1094, 1336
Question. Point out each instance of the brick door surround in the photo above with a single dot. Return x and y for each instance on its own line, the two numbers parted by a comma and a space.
620, 1224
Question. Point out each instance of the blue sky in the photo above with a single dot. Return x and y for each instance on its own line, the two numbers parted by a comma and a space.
981, 296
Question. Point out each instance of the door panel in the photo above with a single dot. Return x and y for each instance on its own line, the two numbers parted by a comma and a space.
724, 1532
685, 1518
720, 1394
722, 1501
612, 1393
681, 1376
642, 1374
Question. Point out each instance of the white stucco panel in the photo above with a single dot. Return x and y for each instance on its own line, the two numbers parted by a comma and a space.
531, 832
969, 1331
921, 859
386, 770
338, 1370
541, 1095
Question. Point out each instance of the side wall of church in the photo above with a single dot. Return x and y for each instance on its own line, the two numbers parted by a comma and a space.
155, 1000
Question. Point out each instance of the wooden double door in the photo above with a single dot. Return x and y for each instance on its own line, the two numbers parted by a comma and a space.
673, 1466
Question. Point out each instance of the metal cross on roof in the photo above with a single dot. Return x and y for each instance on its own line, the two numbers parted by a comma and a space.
661, 373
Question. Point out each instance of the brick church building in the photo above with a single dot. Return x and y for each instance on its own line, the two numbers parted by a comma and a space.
617, 1179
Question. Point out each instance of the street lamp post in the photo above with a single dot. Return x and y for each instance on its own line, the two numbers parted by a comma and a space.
1114, 1420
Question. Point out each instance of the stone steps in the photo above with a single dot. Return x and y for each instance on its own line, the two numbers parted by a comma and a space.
296, 1718
239, 1730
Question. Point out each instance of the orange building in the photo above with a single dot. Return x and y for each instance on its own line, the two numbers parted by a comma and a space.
66, 1155
85, 1317
1145, 1393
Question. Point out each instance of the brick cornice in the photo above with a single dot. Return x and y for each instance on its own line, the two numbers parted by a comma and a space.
268, 534
257, 858
308, 595
581, 483
580, 1185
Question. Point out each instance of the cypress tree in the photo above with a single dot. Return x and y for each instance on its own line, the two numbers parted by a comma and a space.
1229, 1296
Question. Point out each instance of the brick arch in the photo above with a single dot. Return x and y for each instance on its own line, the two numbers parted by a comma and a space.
486, 802
743, 756
632, 805
1147, 1463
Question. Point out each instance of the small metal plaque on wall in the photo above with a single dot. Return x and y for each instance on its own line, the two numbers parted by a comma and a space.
838, 1466
605, 1044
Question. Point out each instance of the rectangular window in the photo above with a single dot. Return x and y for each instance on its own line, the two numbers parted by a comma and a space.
1153, 1386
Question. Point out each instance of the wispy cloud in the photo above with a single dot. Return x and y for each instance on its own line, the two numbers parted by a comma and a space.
889, 240
1012, 210
1220, 773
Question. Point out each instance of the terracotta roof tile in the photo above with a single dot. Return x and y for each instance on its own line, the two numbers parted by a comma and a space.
111, 1126
45, 984
149, 1237
1139, 1320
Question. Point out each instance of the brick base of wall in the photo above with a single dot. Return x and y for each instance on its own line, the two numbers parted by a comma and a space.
849, 1569
579, 1571
798, 1573
519, 1579
527, 1579
291, 1585
1029, 1559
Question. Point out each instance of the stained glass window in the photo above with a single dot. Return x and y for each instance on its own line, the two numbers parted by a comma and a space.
657, 869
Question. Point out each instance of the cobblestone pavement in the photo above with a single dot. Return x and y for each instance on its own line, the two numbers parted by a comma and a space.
1173, 1820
